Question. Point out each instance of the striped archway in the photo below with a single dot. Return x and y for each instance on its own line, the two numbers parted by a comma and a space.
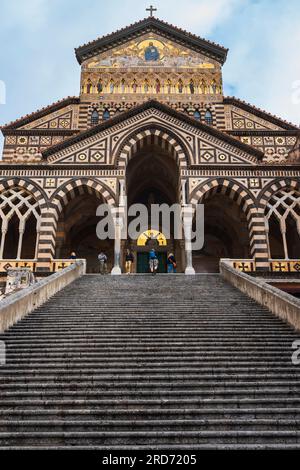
76, 187
60, 199
275, 186
152, 135
255, 214
26, 184
234, 190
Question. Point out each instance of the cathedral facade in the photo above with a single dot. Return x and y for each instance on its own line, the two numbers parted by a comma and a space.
151, 124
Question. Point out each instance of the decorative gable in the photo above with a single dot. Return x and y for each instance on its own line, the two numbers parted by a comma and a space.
201, 144
239, 120
66, 118
151, 50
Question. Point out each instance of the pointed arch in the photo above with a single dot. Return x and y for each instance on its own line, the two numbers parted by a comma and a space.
275, 186
255, 216
20, 217
235, 191
281, 205
146, 135
59, 200
74, 187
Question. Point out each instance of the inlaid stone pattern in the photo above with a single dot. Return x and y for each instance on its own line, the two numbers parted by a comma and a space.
26, 148
275, 148
238, 119
65, 118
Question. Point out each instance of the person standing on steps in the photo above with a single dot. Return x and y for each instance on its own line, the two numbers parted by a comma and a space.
102, 258
153, 261
73, 255
129, 259
171, 264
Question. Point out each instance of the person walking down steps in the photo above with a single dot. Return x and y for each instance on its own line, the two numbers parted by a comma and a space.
102, 258
129, 262
153, 261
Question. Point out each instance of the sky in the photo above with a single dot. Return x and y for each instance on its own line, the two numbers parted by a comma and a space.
38, 37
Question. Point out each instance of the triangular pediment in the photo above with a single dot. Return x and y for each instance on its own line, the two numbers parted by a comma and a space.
151, 26
246, 117
151, 50
201, 143
55, 116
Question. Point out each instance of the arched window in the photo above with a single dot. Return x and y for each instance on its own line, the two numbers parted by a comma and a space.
106, 114
111, 86
89, 86
169, 86
134, 86
20, 215
100, 86
282, 219
192, 87
197, 115
203, 87
208, 118
95, 118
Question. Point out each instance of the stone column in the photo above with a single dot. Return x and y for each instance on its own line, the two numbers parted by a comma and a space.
183, 192
38, 231
122, 196
283, 234
47, 238
268, 237
187, 226
4, 232
21, 233
118, 223
258, 238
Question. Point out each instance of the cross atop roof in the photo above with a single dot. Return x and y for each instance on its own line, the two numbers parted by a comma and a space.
151, 9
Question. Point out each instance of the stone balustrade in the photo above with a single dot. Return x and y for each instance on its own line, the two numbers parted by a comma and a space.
19, 304
281, 304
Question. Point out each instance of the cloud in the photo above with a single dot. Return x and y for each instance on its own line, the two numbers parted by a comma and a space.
28, 15
199, 15
263, 65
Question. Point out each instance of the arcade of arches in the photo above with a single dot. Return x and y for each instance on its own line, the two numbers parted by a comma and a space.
152, 176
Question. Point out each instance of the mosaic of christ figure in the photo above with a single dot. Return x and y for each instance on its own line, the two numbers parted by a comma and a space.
151, 52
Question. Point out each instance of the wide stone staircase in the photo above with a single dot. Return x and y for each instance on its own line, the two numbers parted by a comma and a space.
127, 362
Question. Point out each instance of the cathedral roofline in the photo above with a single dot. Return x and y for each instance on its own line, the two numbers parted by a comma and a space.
260, 113
164, 108
146, 25
40, 113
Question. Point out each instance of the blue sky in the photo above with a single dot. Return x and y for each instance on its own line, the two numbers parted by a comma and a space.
38, 37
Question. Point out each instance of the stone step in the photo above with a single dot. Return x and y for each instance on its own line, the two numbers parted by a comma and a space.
147, 438
176, 361
151, 369
203, 379
148, 403
257, 385
66, 413
149, 393
158, 425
